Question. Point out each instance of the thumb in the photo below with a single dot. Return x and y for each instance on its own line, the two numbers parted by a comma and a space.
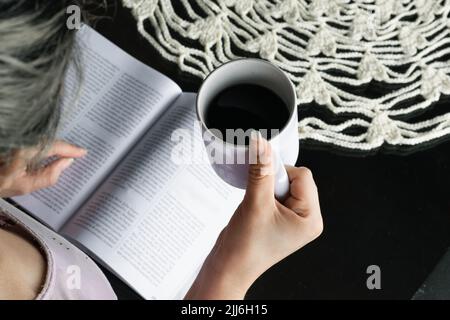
260, 183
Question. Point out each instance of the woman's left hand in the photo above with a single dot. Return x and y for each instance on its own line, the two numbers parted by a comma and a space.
16, 179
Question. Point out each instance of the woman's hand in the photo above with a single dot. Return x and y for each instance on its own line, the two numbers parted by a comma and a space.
15, 178
261, 232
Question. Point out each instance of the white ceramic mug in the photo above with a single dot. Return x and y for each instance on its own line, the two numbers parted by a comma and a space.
285, 144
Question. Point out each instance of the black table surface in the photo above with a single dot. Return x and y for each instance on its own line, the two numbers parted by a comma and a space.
388, 210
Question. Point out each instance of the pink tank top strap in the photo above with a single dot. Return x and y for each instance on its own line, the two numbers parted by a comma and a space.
71, 274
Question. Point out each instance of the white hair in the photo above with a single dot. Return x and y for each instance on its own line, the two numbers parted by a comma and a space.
35, 49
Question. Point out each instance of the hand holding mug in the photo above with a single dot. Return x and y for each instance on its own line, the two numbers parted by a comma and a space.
261, 232
280, 212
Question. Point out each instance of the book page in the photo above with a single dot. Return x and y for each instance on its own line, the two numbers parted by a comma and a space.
154, 220
105, 111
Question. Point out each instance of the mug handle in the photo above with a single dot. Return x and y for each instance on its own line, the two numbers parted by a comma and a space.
282, 185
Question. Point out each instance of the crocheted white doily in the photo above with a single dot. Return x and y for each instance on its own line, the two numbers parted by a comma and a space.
334, 51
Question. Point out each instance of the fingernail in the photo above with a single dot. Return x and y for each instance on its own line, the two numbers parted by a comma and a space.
80, 148
254, 135
67, 163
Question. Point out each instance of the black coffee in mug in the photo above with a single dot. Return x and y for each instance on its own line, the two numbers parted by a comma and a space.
247, 106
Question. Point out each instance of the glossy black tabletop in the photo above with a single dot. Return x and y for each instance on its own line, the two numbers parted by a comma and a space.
383, 209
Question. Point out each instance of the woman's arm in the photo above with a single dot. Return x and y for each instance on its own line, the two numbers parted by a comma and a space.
261, 232
22, 267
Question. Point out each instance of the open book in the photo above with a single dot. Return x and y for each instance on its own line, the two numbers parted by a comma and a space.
149, 219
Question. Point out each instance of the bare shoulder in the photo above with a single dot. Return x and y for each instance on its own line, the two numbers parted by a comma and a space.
22, 267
